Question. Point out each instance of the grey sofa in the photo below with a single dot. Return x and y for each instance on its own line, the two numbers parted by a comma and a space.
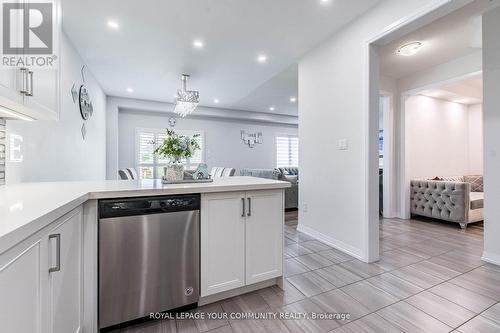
286, 174
455, 199
218, 172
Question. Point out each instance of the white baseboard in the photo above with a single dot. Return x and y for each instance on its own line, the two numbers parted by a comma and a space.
391, 215
335, 243
398, 215
491, 258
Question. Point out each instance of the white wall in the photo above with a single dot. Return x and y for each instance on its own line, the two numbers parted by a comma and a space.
55, 150
476, 136
223, 144
332, 103
491, 115
388, 84
439, 138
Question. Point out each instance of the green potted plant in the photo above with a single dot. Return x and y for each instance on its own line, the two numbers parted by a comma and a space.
176, 147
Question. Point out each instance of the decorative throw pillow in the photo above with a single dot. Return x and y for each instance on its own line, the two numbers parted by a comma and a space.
453, 179
476, 183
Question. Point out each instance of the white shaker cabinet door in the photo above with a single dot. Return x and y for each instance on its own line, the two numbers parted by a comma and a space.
264, 235
43, 97
21, 289
10, 86
11, 78
32, 88
64, 290
222, 242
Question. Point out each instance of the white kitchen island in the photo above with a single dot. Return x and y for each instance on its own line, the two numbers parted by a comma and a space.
239, 252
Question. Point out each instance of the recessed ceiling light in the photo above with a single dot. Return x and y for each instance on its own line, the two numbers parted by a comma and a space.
293, 99
113, 25
272, 108
198, 44
262, 58
409, 49
216, 101
324, 1
130, 90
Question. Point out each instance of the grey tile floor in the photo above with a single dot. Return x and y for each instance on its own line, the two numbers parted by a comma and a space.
429, 279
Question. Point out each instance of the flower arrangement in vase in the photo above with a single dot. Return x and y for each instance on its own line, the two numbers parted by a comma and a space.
176, 147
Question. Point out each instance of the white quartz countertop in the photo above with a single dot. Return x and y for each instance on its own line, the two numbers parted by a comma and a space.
27, 207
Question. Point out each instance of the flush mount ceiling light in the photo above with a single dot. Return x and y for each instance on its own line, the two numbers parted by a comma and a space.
293, 99
216, 100
113, 25
272, 108
130, 90
409, 49
262, 58
198, 44
186, 101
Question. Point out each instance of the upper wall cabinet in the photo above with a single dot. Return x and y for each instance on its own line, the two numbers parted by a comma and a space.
29, 68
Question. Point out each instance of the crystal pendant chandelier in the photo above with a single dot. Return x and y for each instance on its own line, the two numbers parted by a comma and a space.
186, 101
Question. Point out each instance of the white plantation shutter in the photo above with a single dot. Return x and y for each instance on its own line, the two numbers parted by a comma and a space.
151, 166
287, 151
146, 148
145, 154
294, 151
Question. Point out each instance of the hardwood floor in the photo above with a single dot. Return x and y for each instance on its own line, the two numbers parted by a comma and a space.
429, 279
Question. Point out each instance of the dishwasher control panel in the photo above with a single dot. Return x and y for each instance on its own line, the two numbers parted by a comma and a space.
149, 205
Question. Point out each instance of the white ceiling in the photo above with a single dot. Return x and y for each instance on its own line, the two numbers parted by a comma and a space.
467, 91
275, 92
455, 35
153, 46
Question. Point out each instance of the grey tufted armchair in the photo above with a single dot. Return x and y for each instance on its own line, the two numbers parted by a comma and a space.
445, 200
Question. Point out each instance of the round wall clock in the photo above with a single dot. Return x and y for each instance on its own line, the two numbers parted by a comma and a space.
86, 108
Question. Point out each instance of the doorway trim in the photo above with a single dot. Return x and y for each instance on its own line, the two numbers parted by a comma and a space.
371, 97
388, 154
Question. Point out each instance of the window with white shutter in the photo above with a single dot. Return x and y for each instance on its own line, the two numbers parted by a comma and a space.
287, 151
151, 166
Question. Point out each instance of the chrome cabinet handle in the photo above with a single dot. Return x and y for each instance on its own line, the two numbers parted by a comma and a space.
30, 89
249, 207
24, 81
58, 253
243, 207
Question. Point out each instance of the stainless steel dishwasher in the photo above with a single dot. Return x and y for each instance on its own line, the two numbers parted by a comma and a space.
148, 256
